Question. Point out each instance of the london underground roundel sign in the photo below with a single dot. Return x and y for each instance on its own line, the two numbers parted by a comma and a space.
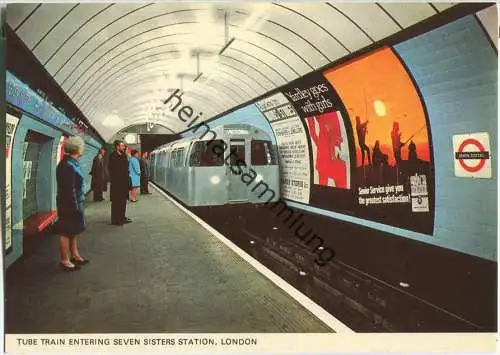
472, 155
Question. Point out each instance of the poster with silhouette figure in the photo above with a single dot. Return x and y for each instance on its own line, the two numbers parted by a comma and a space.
392, 169
330, 150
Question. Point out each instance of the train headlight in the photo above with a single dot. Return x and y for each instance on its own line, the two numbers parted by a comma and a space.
258, 178
215, 180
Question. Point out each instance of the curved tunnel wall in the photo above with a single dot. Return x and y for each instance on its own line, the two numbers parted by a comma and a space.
451, 82
455, 68
36, 117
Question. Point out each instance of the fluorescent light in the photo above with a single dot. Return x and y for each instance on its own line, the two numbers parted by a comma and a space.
197, 77
226, 46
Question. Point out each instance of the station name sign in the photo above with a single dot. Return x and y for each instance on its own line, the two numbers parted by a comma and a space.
20, 95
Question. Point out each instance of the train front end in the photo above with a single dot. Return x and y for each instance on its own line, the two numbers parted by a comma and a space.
252, 169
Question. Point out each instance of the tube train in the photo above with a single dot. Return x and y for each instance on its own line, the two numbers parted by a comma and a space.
229, 164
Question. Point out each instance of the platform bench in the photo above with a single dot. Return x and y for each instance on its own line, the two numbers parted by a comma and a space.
38, 221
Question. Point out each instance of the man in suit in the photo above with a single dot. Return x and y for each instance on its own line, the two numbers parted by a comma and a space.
98, 173
119, 178
144, 174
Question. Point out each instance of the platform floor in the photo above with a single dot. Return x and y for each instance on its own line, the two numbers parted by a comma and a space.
161, 273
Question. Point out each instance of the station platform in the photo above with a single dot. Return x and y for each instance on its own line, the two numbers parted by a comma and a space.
163, 272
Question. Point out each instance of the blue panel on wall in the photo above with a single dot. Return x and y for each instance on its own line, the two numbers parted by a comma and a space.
26, 123
19, 94
46, 195
455, 68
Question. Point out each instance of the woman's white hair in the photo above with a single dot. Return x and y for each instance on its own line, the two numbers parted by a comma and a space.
74, 144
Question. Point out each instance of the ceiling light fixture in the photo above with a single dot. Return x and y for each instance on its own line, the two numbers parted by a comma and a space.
226, 34
198, 75
226, 46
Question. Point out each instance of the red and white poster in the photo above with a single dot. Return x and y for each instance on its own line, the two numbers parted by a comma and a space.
330, 150
10, 131
472, 155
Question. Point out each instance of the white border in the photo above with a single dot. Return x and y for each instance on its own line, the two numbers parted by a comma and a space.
314, 308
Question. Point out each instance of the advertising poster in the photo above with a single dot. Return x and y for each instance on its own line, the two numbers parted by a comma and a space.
330, 150
392, 177
293, 149
10, 130
328, 130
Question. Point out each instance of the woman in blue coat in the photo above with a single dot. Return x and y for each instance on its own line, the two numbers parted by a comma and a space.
135, 174
70, 208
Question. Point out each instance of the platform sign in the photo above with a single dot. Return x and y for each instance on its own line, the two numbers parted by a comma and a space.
472, 155
293, 150
10, 131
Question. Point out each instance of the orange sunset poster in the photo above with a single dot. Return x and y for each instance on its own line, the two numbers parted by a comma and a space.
384, 109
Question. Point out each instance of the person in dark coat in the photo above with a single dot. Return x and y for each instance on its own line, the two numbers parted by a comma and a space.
70, 207
144, 174
119, 179
98, 173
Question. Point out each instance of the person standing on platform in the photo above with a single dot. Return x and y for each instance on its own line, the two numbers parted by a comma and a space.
98, 173
119, 178
145, 174
127, 152
135, 174
70, 204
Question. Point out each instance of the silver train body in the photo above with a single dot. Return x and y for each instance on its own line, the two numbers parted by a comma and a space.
236, 163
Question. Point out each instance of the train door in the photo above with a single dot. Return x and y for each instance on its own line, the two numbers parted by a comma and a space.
237, 190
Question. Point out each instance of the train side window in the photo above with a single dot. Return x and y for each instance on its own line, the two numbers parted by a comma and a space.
263, 153
173, 159
202, 154
180, 157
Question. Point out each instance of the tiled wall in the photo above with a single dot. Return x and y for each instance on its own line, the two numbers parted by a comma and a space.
455, 68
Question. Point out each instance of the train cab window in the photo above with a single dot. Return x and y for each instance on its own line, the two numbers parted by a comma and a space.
237, 148
263, 153
202, 154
